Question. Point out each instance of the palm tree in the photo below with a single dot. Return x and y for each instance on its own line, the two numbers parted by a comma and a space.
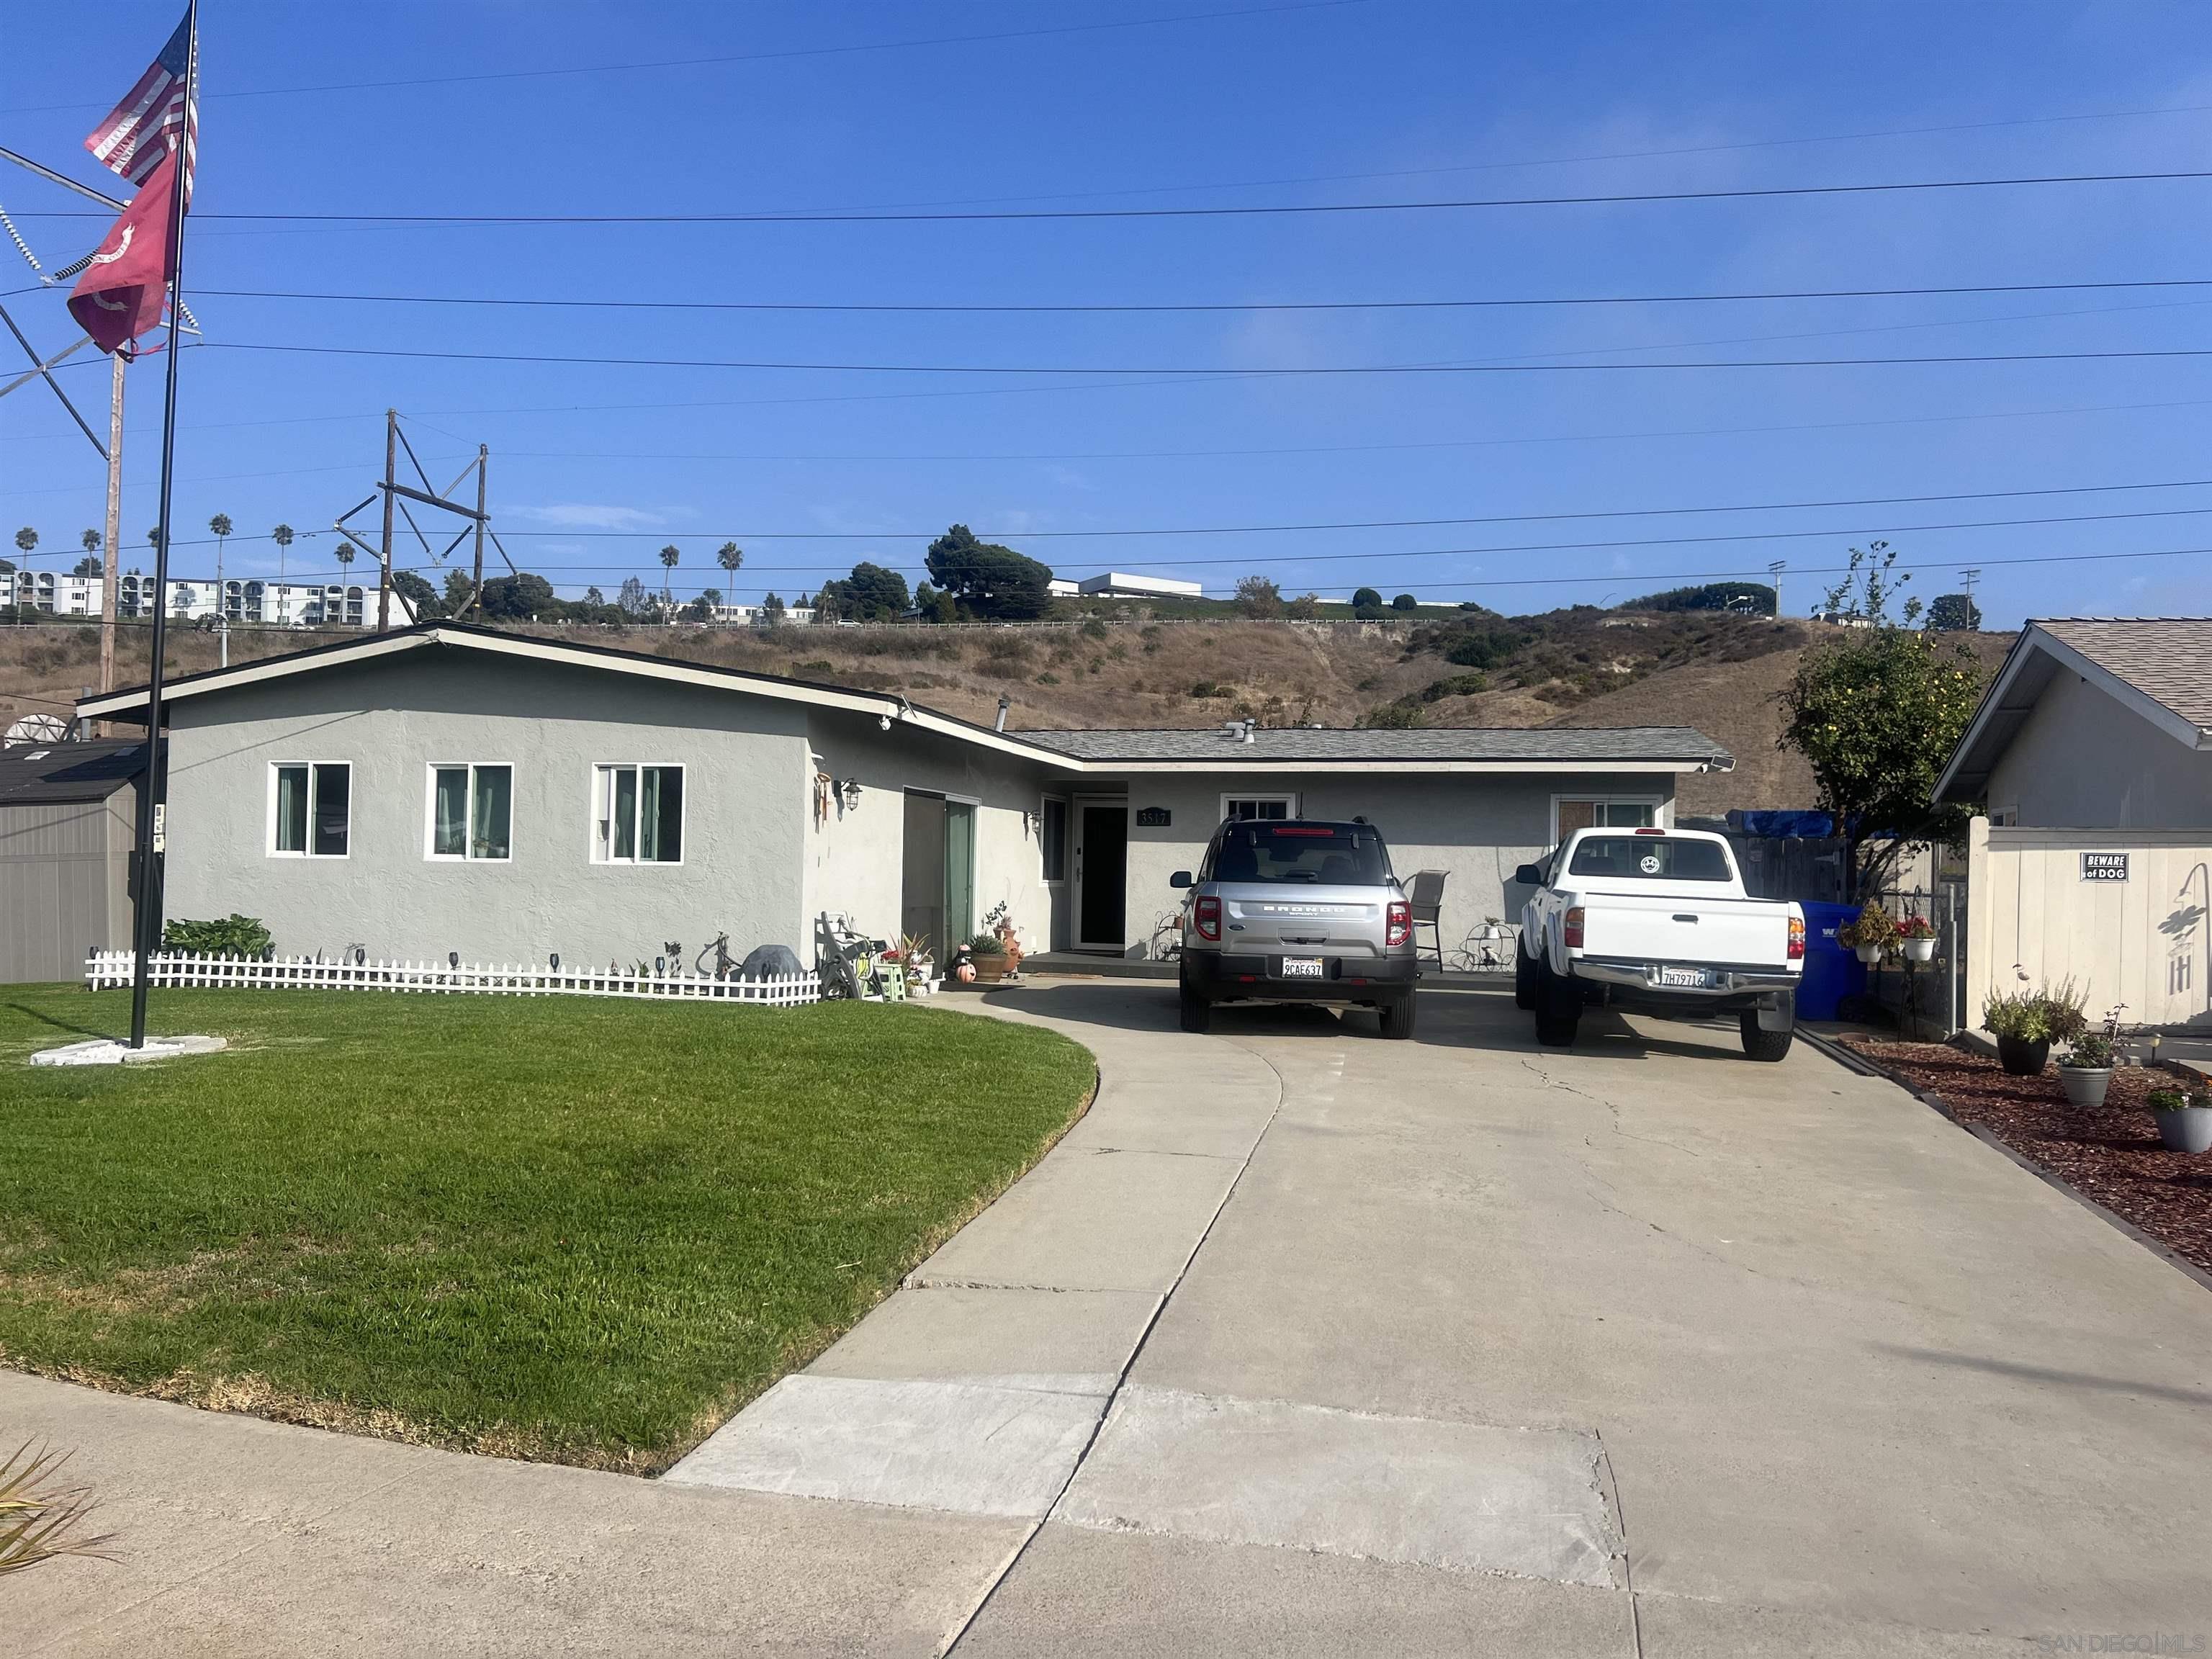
154, 538
282, 535
730, 557
669, 555
344, 556
27, 541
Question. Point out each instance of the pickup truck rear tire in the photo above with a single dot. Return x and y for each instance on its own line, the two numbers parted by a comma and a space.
1197, 1013
1760, 1044
1524, 978
1559, 1008
1397, 1017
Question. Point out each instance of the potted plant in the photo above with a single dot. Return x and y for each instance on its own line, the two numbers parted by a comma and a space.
920, 970
2026, 1022
1871, 935
1000, 923
987, 953
2085, 1070
2184, 1120
1916, 937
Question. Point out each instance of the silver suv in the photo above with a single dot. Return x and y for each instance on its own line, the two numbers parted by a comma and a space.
1296, 910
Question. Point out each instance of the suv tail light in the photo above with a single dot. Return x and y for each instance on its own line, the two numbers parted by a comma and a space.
1570, 928
1205, 914
1398, 922
1796, 939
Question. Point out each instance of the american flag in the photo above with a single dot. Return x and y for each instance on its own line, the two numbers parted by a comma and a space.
147, 125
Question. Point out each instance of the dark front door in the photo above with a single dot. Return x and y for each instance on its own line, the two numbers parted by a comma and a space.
921, 895
1102, 877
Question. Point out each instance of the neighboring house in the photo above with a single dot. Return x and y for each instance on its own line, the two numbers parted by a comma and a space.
453, 788
67, 817
2093, 751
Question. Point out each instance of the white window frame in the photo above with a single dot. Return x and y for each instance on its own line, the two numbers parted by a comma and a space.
269, 849
430, 771
1289, 801
1660, 813
1067, 837
591, 816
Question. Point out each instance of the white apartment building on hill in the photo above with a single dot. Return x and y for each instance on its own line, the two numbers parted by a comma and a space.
282, 604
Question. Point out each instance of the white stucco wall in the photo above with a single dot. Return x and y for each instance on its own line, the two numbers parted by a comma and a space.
1478, 829
854, 861
746, 760
2082, 760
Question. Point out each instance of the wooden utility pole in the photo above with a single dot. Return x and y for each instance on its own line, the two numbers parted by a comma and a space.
109, 578
390, 478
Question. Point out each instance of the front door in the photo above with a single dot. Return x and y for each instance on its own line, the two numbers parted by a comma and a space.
936, 890
1102, 876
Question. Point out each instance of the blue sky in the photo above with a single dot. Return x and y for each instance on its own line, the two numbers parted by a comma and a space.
595, 467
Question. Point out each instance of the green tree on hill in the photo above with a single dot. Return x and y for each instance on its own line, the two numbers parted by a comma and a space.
988, 580
1955, 613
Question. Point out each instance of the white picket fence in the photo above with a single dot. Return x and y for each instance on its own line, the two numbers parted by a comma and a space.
106, 969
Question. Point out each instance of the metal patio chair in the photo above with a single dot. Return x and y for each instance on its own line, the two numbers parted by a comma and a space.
1426, 893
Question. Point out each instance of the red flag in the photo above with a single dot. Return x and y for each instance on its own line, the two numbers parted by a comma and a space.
120, 295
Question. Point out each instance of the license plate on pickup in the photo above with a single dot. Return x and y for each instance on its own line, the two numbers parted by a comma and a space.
1686, 979
1302, 968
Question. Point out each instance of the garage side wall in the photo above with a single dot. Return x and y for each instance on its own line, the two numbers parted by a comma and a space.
2083, 757
744, 761
1478, 828
2033, 920
63, 886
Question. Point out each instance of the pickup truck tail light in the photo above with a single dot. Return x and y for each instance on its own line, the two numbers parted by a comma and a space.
1796, 939
1398, 922
1570, 928
1205, 915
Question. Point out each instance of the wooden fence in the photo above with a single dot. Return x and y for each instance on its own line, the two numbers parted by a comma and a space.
105, 970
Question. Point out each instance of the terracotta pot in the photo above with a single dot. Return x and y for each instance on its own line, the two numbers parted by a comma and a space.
2188, 1130
2023, 1058
2085, 1085
989, 970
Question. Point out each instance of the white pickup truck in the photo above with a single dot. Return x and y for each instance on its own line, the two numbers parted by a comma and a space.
1656, 921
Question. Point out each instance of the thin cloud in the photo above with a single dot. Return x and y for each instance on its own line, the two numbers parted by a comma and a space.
591, 515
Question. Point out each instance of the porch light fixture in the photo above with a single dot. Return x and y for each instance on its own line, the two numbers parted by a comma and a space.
851, 791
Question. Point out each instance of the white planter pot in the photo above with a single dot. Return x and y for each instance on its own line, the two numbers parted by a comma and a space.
1919, 949
1869, 954
2188, 1130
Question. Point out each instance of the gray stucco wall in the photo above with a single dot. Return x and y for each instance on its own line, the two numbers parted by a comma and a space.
1478, 829
746, 761
2083, 761
64, 885
854, 862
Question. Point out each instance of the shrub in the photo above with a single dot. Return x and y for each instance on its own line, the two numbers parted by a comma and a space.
1456, 685
1047, 678
2170, 1100
1393, 716
1366, 595
987, 945
1094, 629
1875, 926
234, 935
1209, 689
2092, 1050
2050, 1015
1405, 602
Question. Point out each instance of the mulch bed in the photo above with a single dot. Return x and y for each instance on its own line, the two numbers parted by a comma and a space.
2110, 1153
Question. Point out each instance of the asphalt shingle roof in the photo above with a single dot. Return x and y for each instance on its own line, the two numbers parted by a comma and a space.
50, 774
1596, 746
2167, 658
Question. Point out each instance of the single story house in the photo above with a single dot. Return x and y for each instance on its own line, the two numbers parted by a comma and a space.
67, 822
2091, 752
454, 788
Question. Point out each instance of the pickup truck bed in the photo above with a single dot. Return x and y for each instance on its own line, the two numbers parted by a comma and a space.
1656, 921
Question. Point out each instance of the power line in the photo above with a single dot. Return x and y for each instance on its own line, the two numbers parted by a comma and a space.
579, 361
1204, 308
1291, 210
748, 57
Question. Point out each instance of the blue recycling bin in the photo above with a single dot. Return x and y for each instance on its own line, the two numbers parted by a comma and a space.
1833, 972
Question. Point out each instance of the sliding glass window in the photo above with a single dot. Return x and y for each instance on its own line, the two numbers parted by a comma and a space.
637, 815
310, 810
471, 812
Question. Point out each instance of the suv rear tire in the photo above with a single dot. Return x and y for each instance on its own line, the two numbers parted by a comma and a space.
1397, 1015
1759, 1043
1197, 1012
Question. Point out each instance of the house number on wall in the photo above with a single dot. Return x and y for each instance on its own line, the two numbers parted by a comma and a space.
2104, 866
1154, 817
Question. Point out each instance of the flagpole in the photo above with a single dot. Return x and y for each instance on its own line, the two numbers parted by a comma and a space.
112, 530
147, 912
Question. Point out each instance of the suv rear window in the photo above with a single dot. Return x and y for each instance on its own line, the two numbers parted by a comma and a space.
1652, 858
1325, 855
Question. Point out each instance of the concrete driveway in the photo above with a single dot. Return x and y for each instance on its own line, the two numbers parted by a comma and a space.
1304, 1342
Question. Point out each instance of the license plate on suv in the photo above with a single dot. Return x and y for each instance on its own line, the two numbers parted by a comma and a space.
1686, 979
1302, 968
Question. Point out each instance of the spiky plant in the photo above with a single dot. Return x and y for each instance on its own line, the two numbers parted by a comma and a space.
38, 1520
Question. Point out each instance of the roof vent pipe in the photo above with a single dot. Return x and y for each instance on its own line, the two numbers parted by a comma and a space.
1248, 725
1005, 703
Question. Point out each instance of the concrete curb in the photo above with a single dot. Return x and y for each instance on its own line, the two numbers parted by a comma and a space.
1851, 1060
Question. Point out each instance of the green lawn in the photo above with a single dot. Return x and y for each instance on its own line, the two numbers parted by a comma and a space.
561, 1228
